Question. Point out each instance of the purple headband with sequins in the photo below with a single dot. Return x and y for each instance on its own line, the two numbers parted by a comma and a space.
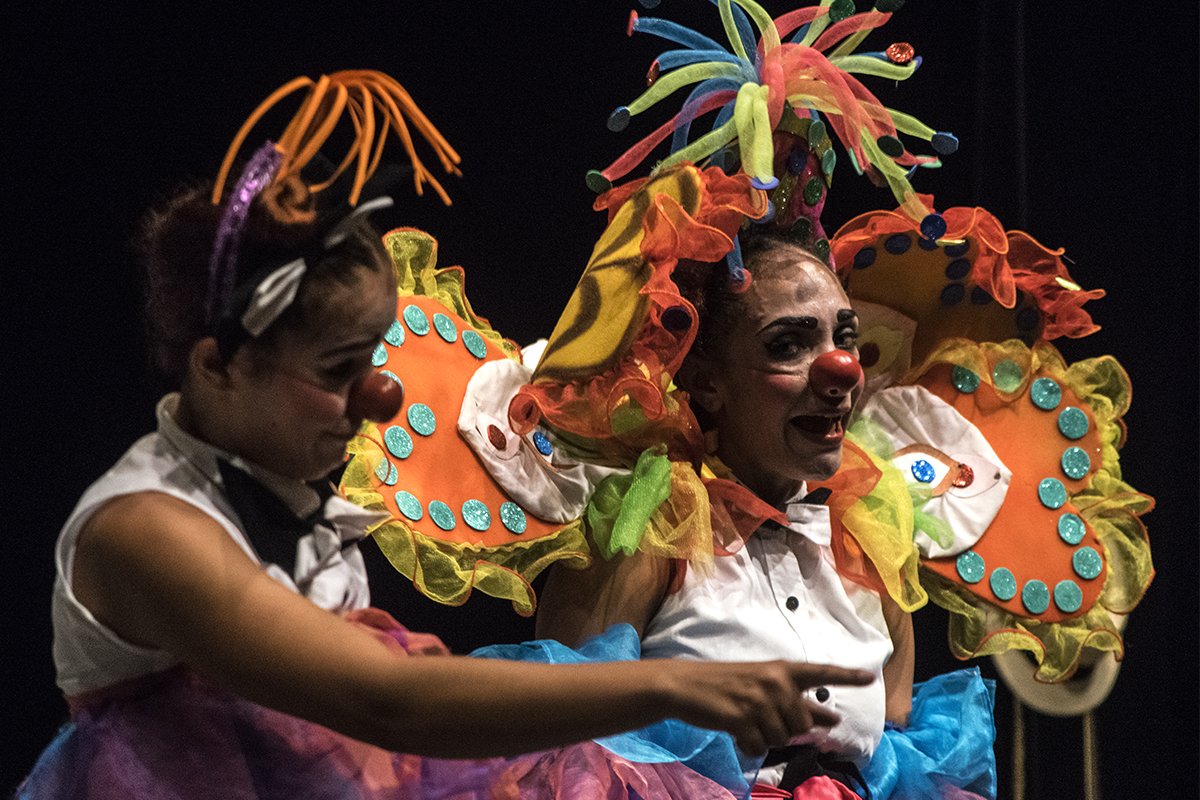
222, 266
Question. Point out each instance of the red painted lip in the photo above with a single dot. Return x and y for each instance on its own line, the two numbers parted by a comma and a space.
820, 428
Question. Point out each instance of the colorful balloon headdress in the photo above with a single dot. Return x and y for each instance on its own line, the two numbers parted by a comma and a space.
238, 309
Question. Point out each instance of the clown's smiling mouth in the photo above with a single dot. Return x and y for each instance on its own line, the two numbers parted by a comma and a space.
821, 428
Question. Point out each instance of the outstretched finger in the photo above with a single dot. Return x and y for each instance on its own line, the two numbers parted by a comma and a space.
810, 676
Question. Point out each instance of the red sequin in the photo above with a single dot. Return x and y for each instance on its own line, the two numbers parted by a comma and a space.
900, 52
496, 437
964, 478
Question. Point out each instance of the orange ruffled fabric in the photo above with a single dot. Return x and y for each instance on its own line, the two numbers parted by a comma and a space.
631, 406
1006, 262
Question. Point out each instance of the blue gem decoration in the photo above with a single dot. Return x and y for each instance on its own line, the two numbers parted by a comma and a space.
421, 419
796, 160
970, 567
864, 258
1072, 423
964, 379
395, 334
1035, 597
1006, 375
445, 327
386, 472
474, 344
1068, 596
933, 226
898, 244
442, 515
1087, 563
409, 506
1052, 493
1071, 528
513, 517
953, 294
958, 269
1003, 584
1045, 393
1076, 463
542, 442
379, 356
475, 513
416, 320
923, 471
398, 442
944, 143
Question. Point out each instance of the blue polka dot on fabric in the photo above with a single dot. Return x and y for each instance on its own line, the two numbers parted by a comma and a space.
475, 513
442, 515
970, 566
964, 379
398, 442
1003, 584
409, 506
416, 320
1071, 528
1035, 596
1087, 563
957, 269
445, 327
421, 419
898, 244
1052, 493
1076, 463
958, 249
864, 258
1072, 423
395, 334
1045, 393
474, 344
952, 294
1068, 596
513, 517
542, 442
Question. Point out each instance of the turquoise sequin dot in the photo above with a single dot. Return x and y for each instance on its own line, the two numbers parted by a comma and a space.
513, 517
1071, 528
445, 327
1045, 394
379, 356
923, 471
1052, 493
1087, 563
1006, 375
416, 320
1076, 462
395, 334
409, 506
542, 443
1003, 584
1035, 597
970, 567
475, 513
964, 380
1068, 596
421, 419
386, 472
398, 442
474, 344
1072, 423
442, 515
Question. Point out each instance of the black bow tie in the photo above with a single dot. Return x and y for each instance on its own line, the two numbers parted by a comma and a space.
270, 525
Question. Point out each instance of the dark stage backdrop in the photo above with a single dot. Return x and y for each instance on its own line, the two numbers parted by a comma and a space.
1077, 121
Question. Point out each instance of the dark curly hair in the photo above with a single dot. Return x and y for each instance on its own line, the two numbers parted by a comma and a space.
283, 222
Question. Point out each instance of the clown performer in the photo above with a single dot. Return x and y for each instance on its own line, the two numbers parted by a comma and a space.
212, 628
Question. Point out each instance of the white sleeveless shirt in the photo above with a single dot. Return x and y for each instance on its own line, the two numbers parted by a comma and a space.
90, 656
780, 597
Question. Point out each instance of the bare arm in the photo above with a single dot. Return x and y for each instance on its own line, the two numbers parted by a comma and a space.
898, 671
578, 604
163, 574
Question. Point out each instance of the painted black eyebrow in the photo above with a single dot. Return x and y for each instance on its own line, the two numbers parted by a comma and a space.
808, 323
845, 315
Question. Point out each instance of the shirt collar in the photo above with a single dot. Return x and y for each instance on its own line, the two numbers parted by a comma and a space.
302, 499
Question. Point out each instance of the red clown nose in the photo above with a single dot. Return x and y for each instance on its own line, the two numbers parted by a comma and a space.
375, 397
835, 374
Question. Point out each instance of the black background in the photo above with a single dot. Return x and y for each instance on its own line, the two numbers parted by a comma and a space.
1077, 121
